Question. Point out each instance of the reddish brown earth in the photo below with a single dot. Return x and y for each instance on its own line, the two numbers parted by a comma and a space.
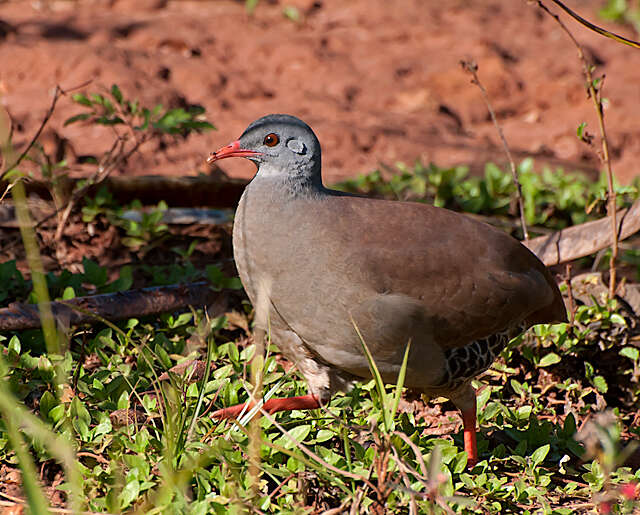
379, 81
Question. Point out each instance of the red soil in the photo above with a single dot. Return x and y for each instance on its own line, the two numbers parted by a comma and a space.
379, 81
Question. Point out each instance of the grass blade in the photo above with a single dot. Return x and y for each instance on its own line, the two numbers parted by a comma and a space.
400, 384
387, 418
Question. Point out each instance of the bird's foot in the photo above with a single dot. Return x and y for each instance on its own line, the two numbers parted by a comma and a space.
302, 402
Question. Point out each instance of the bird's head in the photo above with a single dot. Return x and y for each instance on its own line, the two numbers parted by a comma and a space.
281, 145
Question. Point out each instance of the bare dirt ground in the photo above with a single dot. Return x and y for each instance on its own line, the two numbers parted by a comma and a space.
379, 81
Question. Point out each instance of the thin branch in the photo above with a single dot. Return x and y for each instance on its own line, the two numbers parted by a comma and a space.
572, 302
472, 68
417, 452
595, 28
76, 195
596, 97
58, 92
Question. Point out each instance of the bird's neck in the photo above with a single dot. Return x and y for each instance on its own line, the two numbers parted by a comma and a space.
298, 181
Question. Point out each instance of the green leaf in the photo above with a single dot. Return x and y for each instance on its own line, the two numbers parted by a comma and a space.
580, 130
550, 359
129, 493
323, 435
81, 99
14, 345
123, 401
56, 413
388, 421
601, 384
47, 403
94, 273
618, 319
77, 118
299, 433
291, 12
82, 428
630, 352
68, 293
400, 383
540, 454
116, 93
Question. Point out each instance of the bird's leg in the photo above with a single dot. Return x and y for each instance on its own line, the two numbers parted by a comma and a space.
302, 402
469, 425
464, 397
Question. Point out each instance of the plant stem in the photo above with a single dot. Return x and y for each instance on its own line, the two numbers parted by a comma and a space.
472, 68
596, 97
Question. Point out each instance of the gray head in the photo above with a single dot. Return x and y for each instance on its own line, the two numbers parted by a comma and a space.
282, 146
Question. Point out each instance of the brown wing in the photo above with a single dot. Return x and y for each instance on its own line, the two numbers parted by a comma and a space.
473, 280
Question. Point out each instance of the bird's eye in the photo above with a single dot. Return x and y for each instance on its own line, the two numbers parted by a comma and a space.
271, 140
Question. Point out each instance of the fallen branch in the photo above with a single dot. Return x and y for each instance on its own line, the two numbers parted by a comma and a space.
585, 239
111, 306
190, 191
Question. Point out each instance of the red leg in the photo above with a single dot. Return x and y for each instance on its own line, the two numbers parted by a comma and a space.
469, 424
271, 406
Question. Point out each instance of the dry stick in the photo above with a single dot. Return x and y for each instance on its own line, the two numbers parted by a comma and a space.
111, 306
572, 302
595, 28
402, 468
107, 165
472, 68
584, 239
596, 96
58, 92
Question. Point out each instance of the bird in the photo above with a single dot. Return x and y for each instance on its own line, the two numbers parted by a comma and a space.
333, 267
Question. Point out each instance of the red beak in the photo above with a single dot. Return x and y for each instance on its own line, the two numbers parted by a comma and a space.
231, 150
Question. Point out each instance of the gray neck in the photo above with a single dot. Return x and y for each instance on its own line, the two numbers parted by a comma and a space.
300, 180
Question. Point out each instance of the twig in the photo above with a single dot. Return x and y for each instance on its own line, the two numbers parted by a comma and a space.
417, 452
106, 166
58, 92
413, 506
572, 302
472, 68
595, 28
596, 96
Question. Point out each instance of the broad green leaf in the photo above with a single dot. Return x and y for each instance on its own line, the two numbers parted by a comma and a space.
299, 434
630, 352
129, 493
601, 384
550, 359
540, 454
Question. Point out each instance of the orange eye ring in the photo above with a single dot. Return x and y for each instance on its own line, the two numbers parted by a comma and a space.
271, 140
